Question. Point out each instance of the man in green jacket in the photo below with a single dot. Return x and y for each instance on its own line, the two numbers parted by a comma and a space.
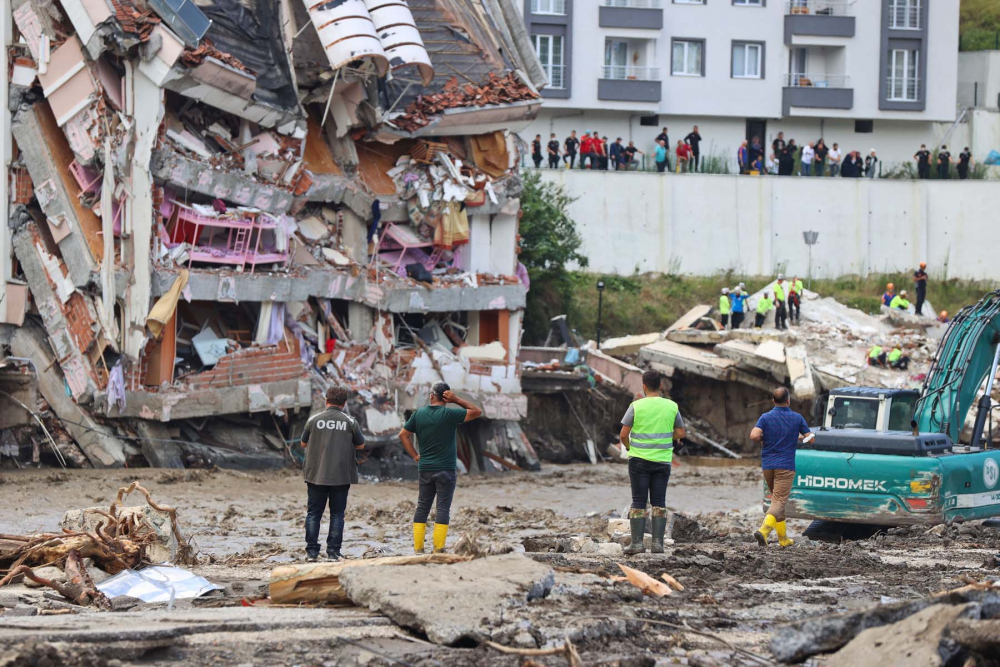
649, 429
435, 426
899, 302
725, 308
764, 304
780, 300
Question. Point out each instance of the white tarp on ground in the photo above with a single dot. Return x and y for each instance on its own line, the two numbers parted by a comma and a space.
159, 583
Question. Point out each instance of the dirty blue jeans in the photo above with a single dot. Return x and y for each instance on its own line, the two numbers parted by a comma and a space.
319, 496
440, 483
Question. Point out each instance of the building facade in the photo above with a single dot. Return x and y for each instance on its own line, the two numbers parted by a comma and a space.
865, 74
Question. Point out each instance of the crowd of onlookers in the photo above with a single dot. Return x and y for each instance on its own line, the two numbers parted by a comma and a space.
786, 158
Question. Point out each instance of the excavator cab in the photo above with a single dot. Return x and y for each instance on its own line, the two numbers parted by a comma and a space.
870, 408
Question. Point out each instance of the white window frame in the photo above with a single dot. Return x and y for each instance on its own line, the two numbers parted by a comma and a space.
897, 88
689, 2
548, 7
688, 56
747, 47
548, 66
748, 3
911, 10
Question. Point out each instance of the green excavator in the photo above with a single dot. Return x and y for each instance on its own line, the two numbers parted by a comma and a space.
892, 457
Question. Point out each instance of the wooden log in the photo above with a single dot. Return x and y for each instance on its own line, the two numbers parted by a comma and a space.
315, 583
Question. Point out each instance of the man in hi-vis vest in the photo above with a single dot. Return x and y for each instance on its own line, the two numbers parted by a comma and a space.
649, 429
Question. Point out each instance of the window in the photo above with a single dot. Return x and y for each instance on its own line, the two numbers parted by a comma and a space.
900, 412
864, 126
557, 7
688, 58
651, 120
748, 60
615, 59
550, 53
904, 14
903, 84
855, 413
689, 2
749, 3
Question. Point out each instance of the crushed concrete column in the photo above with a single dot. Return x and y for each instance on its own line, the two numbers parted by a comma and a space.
102, 448
37, 133
360, 320
156, 445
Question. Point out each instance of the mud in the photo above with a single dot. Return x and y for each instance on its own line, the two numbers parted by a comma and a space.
740, 594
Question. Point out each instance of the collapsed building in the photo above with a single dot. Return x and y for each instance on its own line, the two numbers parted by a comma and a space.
218, 209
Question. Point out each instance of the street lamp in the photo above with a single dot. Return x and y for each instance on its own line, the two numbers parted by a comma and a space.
810, 238
600, 307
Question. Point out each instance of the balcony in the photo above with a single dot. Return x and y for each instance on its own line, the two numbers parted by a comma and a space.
817, 91
818, 18
549, 7
642, 14
629, 84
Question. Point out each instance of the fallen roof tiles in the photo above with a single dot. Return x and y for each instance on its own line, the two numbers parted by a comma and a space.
504, 89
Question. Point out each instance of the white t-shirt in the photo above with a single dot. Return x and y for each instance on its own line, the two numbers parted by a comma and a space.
834, 155
807, 155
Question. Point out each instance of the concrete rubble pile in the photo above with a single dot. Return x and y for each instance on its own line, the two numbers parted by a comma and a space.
223, 208
719, 375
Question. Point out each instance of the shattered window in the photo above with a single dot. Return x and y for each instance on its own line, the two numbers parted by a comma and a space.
855, 413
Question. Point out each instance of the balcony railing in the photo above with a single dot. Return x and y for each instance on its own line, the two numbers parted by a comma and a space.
902, 89
820, 7
557, 7
556, 74
817, 81
630, 73
633, 4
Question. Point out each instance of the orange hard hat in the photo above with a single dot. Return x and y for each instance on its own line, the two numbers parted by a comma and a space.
890, 286
923, 265
944, 313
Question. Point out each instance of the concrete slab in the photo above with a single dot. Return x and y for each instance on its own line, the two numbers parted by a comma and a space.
690, 317
465, 601
688, 358
698, 337
629, 344
622, 374
768, 356
800, 374
908, 320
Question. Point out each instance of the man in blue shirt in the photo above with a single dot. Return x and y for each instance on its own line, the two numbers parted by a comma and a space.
779, 432
739, 305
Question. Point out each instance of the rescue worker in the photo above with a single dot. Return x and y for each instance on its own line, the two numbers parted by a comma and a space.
943, 317
649, 429
899, 301
920, 278
739, 302
435, 426
764, 304
778, 431
725, 308
330, 439
795, 291
897, 359
876, 357
889, 295
781, 309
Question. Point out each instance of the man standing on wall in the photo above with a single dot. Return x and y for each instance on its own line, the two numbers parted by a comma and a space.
871, 164
834, 158
923, 158
435, 426
780, 303
662, 136
330, 440
649, 429
964, 160
553, 149
764, 304
661, 157
739, 307
795, 291
778, 431
693, 139
725, 308
778, 145
536, 151
572, 145
806, 157
944, 163
920, 278
615, 154
586, 148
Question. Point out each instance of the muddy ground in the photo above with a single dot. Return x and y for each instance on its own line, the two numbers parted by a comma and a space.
245, 524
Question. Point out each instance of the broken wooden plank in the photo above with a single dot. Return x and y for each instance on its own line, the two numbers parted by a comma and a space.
320, 582
676, 585
644, 582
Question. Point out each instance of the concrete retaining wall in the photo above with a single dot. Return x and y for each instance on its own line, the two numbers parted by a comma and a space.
704, 224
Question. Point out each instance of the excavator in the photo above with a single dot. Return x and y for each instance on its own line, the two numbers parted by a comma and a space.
865, 466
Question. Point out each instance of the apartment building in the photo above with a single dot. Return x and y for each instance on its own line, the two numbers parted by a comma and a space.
863, 73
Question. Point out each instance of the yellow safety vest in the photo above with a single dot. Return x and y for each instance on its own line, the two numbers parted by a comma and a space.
652, 436
895, 355
799, 287
763, 305
899, 302
874, 352
779, 292
724, 305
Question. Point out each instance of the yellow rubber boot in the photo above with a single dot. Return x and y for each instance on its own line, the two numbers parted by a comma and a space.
419, 530
783, 539
765, 530
440, 535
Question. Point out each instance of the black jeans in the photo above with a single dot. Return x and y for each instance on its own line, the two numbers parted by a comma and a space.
737, 319
571, 158
553, 162
794, 310
781, 316
319, 496
695, 160
649, 480
725, 320
943, 171
758, 320
921, 297
441, 484
537, 160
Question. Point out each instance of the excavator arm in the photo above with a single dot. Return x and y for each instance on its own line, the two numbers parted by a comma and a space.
968, 353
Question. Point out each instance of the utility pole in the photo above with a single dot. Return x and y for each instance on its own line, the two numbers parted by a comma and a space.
810, 238
600, 307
